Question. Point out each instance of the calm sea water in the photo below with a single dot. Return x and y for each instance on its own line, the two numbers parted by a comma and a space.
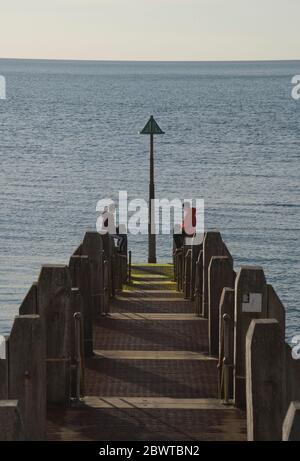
69, 137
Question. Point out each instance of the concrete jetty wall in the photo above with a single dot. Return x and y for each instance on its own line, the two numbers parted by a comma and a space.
246, 328
42, 358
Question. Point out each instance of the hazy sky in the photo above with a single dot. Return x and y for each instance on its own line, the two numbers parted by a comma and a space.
150, 29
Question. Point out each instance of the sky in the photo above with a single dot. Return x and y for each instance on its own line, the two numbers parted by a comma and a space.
163, 30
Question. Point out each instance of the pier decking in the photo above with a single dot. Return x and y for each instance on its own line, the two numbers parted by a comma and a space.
151, 377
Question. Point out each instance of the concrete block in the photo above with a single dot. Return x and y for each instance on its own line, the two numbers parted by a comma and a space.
27, 374
265, 380
93, 248
213, 245
54, 301
220, 275
250, 303
80, 273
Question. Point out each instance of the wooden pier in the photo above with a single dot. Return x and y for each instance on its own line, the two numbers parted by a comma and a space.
151, 377
189, 351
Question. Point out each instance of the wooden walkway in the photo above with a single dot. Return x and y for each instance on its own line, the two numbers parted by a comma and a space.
151, 377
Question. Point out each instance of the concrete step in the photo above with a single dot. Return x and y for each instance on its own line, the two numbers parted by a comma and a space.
163, 269
155, 402
150, 355
146, 316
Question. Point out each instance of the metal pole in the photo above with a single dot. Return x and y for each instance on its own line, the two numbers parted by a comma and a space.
151, 224
78, 354
129, 268
226, 319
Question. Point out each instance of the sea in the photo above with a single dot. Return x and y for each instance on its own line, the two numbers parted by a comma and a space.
69, 137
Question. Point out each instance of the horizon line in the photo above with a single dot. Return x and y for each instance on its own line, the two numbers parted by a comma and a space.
150, 60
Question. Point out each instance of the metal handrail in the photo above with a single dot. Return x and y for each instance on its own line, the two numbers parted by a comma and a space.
129, 267
224, 360
79, 361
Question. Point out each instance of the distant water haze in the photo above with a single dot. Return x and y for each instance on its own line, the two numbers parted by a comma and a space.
69, 137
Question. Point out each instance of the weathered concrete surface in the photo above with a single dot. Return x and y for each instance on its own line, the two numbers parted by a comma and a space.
220, 275
81, 277
11, 427
265, 380
29, 304
54, 301
227, 307
250, 280
27, 374
92, 247
291, 425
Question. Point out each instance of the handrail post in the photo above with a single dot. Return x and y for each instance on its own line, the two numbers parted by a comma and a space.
226, 359
129, 267
78, 355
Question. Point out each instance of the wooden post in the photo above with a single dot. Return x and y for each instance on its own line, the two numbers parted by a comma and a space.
80, 272
250, 303
54, 301
27, 374
11, 427
264, 380
291, 425
220, 275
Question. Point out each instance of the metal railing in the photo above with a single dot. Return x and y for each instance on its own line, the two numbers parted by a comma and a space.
78, 356
129, 267
224, 364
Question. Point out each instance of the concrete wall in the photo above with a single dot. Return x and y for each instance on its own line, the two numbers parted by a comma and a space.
250, 303
265, 380
54, 301
220, 275
27, 374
